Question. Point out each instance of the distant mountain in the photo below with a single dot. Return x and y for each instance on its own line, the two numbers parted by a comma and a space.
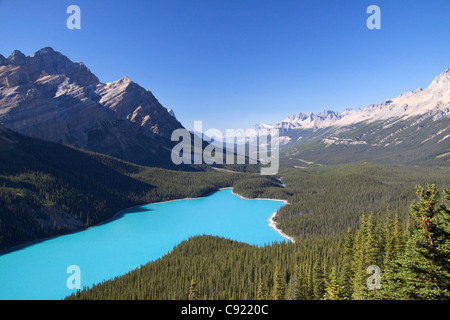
434, 99
48, 96
412, 128
308, 120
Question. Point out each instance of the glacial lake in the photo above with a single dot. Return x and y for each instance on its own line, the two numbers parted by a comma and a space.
136, 236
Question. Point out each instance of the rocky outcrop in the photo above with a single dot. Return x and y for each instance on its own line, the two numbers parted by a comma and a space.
346, 142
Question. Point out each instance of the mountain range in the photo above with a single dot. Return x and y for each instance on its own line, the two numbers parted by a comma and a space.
433, 100
48, 96
411, 128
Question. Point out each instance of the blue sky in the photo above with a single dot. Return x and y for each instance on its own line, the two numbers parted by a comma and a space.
232, 63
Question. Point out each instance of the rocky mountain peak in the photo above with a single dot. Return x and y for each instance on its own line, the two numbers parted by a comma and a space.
45, 61
125, 80
443, 78
44, 51
53, 62
310, 120
172, 113
16, 58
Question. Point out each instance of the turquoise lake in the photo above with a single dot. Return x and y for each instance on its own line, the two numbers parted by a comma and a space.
135, 237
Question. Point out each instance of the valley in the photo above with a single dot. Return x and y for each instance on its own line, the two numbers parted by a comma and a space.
132, 238
74, 152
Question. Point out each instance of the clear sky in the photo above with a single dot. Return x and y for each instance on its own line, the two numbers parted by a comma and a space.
232, 63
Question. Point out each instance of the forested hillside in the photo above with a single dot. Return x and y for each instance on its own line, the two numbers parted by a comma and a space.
48, 189
325, 201
408, 262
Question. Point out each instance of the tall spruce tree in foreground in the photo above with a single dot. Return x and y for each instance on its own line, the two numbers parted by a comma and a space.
422, 269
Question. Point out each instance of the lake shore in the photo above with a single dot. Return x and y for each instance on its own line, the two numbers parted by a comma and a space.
271, 220
117, 215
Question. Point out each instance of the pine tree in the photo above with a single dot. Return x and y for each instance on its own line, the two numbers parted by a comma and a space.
290, 290
261, 293
359, 263
389, 246
380, 240
318, 281
299, 284
308, 288
347, 273
194, 293
334, 290
422, 270
278, 286
371, 243
398, 233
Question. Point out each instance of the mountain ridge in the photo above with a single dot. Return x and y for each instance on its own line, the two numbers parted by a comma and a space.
48, 96
435, 98
413, 128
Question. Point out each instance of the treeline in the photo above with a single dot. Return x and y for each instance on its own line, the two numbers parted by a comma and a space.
403, 262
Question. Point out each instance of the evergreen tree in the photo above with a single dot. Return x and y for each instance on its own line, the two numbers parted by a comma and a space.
422, 270
194, 293
290, 290
398, 233
309, 289
261, 293
299, 284
380, 240
278, 285
359, 263
389, 246
347, 273
372, 243
318, 281
334, 290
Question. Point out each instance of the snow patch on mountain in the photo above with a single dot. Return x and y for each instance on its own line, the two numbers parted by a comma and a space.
422, 103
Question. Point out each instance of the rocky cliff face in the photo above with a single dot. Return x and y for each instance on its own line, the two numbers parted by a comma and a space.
48, 96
